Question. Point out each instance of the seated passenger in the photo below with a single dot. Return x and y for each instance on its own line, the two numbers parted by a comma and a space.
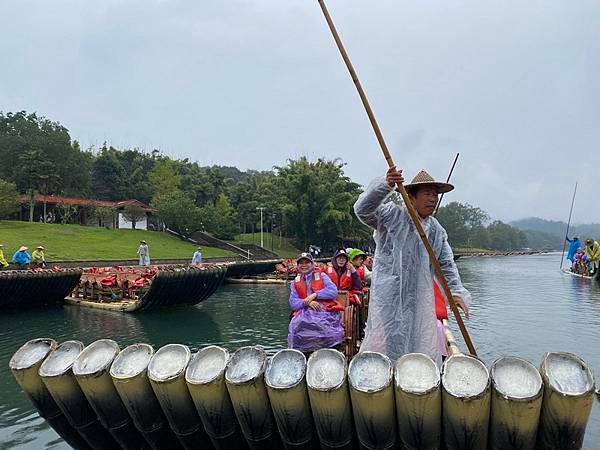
580, 263
316, 313
342, 273
22, 258
592, 251
357, 258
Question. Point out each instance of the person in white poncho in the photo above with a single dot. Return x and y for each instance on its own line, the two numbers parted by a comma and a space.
402, 316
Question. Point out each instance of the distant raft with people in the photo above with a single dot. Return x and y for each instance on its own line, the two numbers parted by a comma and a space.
101, 396
122, 288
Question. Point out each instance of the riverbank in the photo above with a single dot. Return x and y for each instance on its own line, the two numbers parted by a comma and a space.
75, 243
491, 253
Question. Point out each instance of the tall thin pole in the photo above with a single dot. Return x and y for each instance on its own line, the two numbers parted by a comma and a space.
447, 181
568, 225
262, 242
400, 187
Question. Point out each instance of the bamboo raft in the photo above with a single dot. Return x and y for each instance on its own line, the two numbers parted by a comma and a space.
131, 291
102, 397
28, 288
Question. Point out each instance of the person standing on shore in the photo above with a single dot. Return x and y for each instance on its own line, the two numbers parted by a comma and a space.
144, 253
197, 258
3, 262
402, 316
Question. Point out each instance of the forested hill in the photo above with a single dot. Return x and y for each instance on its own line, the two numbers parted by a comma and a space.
558, 228
310, 202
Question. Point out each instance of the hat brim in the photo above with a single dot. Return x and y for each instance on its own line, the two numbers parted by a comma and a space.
442, 188
304, 258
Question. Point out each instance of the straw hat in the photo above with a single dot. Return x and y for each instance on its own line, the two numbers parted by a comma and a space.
22, 248
142, 242
424, 179
39, 247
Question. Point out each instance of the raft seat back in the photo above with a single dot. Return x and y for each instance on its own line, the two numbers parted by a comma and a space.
286, 386
517, 390
568, 397
370, 377
417, 385
465, 402
344, 298
327, 384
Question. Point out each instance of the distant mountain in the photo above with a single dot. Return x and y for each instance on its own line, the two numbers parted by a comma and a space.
558, 228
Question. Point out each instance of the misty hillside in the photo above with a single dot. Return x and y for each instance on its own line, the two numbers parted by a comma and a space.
558, 228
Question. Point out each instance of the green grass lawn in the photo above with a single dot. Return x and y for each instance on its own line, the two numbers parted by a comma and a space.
285, 250
75, 242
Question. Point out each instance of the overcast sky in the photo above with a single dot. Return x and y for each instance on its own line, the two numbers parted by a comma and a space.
513, 86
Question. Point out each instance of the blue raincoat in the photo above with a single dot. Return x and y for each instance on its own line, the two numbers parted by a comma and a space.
21, 258
574, 245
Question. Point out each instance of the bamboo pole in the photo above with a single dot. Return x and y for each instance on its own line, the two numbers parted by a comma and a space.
400, 188
447, 181
568, 225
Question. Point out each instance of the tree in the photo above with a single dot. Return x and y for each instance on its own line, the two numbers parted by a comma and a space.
461, 221
67, 212
316, 200
21, 133
178, 212
225, 219
164, 179
9, 199
134, 214
106, 216
108, 175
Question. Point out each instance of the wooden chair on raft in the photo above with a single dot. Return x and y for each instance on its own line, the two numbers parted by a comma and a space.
354, 319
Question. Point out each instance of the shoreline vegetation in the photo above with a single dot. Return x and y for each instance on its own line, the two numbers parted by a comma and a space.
305, 201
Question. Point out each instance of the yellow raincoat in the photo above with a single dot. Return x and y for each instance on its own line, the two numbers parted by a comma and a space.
3, 262
593, 253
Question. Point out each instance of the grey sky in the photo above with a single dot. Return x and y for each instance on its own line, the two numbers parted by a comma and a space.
513, 86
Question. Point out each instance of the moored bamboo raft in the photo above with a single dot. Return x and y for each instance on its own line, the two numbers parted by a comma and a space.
286, 401
169, 286
248, 268
27, 288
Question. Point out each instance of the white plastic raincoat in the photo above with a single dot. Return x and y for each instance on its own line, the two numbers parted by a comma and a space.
401, 308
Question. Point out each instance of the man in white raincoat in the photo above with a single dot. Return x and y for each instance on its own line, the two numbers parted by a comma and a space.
402, 315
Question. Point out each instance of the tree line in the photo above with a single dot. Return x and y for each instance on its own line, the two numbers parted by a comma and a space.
308, 201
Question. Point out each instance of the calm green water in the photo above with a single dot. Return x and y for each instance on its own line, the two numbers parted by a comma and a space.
522, 306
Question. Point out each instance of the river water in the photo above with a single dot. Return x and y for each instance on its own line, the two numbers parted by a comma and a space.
522, 306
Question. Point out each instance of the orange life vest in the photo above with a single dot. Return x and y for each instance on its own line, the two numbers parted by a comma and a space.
316, 284
441, 311
361, 273
343, 283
